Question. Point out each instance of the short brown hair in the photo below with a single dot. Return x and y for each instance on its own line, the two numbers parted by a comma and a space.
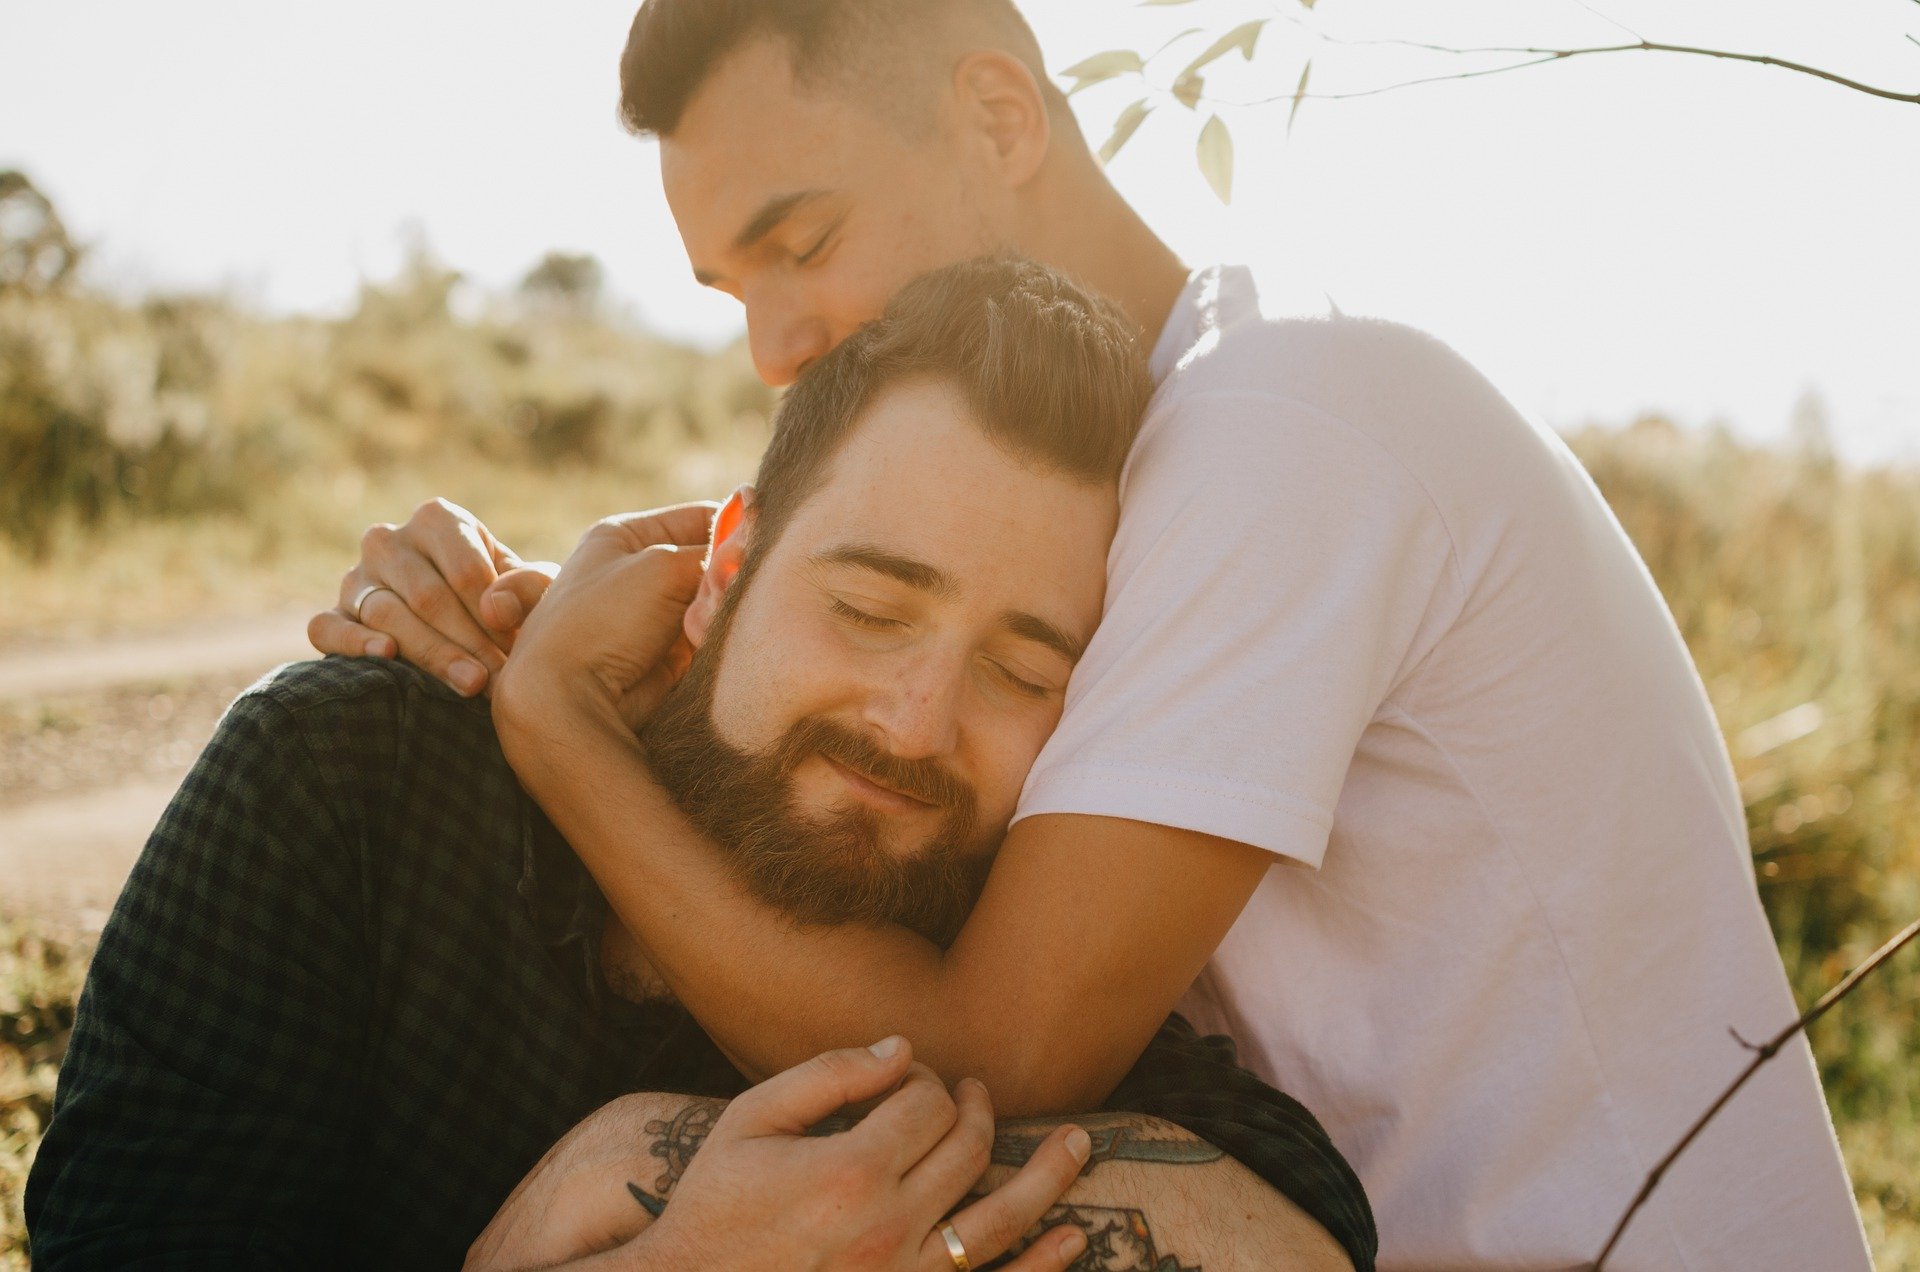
674, 45
1049, 371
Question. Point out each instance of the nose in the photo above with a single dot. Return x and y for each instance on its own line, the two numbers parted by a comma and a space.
784, 333
916, 710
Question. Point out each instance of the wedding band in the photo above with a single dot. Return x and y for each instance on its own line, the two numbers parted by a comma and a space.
956, 1251
360, 598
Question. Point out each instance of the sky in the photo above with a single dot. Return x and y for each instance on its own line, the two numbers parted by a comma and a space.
1605, 236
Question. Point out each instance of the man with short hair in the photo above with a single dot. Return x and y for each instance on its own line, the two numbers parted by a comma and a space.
1387, 757
354, 986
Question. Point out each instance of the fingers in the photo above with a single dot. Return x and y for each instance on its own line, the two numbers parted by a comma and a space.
684, 526
954, 1165
332, 632
506, 604
916, 1117
990, 1226
428, 592
1053, 1251
421, 645
463, 553
664, 580
789, 1103
687, 524
413, 587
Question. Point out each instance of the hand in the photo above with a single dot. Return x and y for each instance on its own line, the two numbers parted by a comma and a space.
763, 1194
609, 631
442, 604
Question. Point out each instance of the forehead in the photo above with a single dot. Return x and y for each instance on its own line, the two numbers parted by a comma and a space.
752, 130
918, 478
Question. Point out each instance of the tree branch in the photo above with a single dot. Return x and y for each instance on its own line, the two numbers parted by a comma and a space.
1762, 1054
1540, 56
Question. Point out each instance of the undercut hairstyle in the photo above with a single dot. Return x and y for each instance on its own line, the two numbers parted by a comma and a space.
893, 51
1051, 373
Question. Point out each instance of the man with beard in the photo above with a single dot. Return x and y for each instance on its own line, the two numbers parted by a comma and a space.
353, 988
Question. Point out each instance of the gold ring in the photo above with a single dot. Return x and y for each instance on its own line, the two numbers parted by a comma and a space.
955, 1250
360, 598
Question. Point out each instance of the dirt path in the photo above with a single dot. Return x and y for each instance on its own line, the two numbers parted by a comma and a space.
186, 654
93, 740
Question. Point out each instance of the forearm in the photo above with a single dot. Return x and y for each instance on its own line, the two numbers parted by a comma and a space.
770, 993
1151, 1192
1156, 1197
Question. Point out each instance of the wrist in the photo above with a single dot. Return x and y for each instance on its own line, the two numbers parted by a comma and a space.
540, 711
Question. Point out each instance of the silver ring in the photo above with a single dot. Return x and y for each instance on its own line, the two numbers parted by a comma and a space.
955, 1250
360, 598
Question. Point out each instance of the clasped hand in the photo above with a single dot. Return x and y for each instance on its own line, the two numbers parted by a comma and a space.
444, 593
763, 1191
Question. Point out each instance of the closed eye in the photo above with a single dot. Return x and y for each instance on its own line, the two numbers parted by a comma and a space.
820, 244
860, 617
1019, 684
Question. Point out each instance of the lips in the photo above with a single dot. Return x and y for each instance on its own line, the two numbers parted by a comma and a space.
873, 791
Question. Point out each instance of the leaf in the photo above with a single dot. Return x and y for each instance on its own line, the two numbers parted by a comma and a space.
1299, 94
1187, 89
1124, 127
1102, 67
1242, 37
1216, 157
1306, 4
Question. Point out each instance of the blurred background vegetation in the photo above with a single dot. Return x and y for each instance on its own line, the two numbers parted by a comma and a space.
182, 459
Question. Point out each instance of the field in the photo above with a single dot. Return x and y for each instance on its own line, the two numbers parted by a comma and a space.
183, 461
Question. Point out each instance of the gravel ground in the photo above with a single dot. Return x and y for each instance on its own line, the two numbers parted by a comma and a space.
75, 742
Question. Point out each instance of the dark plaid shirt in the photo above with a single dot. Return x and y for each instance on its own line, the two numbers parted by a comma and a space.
351, 993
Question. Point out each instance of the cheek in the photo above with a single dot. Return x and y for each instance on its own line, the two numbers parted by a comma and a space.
772, 675
1007, 759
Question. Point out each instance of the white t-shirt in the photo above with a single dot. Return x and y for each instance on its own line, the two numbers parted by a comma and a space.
1364, 616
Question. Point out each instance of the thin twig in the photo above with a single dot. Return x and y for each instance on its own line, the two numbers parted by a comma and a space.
1388, 88
1541, 56
1615, 22
1761, 1055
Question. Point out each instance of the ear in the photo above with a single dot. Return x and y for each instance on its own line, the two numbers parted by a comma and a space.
732, 531
1000, 98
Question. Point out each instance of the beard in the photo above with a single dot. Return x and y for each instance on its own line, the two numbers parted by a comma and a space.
817, 870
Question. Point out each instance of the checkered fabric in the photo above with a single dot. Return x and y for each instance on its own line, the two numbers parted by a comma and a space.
351, 994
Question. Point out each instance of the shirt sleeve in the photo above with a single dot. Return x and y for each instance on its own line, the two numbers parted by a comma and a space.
1276, 574
1194, 1083
207, 1110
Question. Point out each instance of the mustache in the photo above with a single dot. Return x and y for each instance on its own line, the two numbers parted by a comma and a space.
926, 780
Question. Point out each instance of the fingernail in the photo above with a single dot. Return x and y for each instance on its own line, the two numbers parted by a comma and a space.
1080, 1145
1074, 1245
888, 1048
507, 610
379, 647
467, 676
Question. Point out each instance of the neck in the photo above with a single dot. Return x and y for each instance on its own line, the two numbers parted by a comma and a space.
1076, 222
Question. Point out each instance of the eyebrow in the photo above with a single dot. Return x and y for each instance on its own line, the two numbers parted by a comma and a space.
1034, 628
763, 223
917, 575
923, 577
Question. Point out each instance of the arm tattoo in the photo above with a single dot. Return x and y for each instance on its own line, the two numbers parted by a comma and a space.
680, 1137
1119, 1239
1116, 1138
